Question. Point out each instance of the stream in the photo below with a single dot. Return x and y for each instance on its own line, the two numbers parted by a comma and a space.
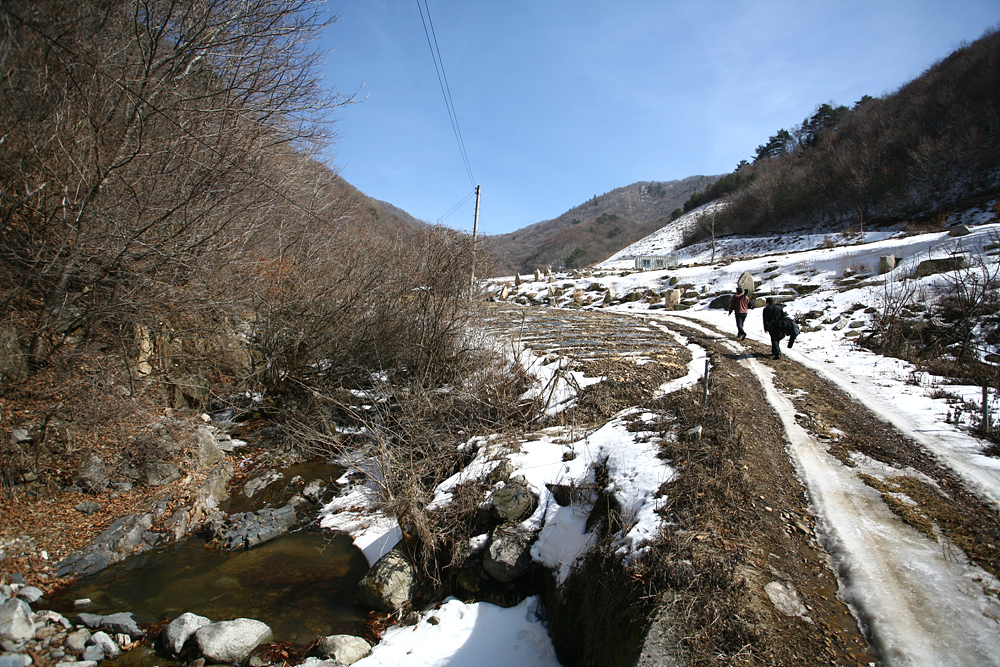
301, 584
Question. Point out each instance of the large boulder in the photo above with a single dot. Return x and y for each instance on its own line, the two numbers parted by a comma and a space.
722, 301
158, 473
93, 475
15, 621
253, 528
886, 263
672, 297
231, 641
343, 649
929, 267
390, 583
178, 631
209, 451
508, 554
746, 283
513, 503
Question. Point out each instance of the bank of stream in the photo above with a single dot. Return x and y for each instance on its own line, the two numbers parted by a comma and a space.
302, 584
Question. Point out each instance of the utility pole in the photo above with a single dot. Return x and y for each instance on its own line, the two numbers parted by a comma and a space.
475, 233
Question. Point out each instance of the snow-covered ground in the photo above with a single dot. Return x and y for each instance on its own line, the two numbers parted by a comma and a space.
957, 601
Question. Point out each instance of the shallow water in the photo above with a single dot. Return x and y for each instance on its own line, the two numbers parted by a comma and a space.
301, 584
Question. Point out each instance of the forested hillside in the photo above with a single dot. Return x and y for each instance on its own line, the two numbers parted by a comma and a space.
912, 156
596, 229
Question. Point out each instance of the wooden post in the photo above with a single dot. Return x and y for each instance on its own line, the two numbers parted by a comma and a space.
475, 233
986, 408
705, 398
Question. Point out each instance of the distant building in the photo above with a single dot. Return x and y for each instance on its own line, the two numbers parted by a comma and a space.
654, 262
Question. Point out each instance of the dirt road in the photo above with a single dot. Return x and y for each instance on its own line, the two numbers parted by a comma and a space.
804, 529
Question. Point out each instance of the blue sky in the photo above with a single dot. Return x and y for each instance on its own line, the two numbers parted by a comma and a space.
561, 100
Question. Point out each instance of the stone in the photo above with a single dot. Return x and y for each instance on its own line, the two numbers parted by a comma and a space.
190, 390
345, 649
313, 661
886, 263
785, 598
504, 293
502, 472
209, 450
929, 267
513, 503
390, 583
959, 230
231, 641
89, 507
610, 296
508, 554
721, 302
158, 473
30, 594
314, 490
77, 641
13, 660
747, 283
211, 493
94, 653
253, 528
178, 631
54, 617
93, 476
15, 621
672, 297
121, 622
78, 663
693, 434
538, 275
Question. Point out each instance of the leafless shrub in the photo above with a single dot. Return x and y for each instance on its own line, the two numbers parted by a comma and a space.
891, 325
971, 294
132, 139
411, 441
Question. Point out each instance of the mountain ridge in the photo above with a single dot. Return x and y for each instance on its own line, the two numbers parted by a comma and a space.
595, 229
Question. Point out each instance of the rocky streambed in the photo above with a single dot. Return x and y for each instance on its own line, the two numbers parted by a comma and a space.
247, 550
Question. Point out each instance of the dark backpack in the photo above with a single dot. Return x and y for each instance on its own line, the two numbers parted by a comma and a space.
787, 326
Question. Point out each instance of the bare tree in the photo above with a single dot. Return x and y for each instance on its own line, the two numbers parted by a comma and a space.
134, 136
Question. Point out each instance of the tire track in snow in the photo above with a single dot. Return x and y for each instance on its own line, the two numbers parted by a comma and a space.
918, 607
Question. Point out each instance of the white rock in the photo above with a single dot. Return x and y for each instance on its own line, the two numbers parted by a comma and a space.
785, 598
231, 641
179, 630
344, 649
104, 641
15, 621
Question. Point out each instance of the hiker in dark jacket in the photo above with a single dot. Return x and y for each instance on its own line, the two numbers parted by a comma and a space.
741, 303
778, 324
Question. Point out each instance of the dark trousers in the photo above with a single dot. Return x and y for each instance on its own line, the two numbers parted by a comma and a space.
740, 319
776, 337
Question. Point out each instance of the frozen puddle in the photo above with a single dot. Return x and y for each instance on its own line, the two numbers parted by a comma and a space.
919, 601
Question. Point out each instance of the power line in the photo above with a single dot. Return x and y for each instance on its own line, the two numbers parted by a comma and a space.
457, 206
443, 82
